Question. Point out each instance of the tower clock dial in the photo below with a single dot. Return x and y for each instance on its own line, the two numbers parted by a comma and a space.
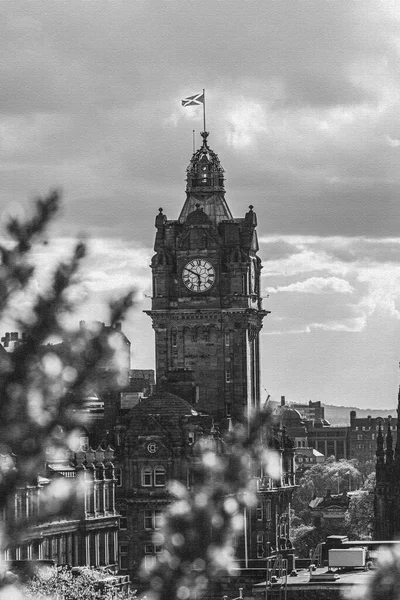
198, 275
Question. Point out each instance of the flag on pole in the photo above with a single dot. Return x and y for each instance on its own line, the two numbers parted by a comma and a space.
196, 100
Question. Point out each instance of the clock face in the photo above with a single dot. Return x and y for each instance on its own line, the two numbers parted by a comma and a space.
198, 275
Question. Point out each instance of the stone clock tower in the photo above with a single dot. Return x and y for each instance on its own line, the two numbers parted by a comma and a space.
206, 305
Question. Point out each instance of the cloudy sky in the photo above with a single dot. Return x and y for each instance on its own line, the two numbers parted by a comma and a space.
303, 106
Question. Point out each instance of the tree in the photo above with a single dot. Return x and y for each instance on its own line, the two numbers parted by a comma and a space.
202, 523
57, 584
360, 515
37, 385
332, 474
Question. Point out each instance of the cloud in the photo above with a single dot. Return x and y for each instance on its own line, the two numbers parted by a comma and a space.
315, 285
303, 109
331, 284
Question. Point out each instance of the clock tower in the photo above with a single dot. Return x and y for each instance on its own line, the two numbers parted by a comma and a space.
206, 306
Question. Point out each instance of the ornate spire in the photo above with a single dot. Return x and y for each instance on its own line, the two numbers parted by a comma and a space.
205, 183
205, 173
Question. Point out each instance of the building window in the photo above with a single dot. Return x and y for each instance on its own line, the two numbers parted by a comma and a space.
244, 284
118, 476
123, 521
150, 554
259, 511
268, 510
227, 338
159, 477
191, 438
152, 519
147, 478
260, 545
84, 443
123, 557
227, 376
174, 338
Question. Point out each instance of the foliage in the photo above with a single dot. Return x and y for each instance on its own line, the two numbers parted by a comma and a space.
305, 538
62, 584
334, 475
202, 523
384, 580
37, 385
360, 515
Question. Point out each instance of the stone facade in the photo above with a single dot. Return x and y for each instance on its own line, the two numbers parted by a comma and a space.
88, 534
363, 435
158, 446
207, 315
387, 490
206, 306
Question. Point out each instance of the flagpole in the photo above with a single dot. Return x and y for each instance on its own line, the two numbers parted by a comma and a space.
204, 108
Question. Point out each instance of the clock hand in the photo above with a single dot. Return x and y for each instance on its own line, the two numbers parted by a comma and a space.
194, 272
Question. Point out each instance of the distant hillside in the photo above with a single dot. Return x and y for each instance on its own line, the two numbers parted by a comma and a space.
340, 415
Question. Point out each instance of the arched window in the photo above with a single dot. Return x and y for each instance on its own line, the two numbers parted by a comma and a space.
147, 477
159, 477
118, 476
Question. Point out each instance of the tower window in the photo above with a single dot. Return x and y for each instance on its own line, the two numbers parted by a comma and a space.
174, 338
118, 476
227, 338
268, 510
228, 376
259, 511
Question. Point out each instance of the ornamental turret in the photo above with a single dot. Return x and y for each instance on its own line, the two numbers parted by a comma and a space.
205, 185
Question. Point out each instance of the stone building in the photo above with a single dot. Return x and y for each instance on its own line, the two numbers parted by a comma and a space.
85, 535
387, 490
363, 435
329, 510
207, 315
158, 446
206, 306
310, 411
327, 439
